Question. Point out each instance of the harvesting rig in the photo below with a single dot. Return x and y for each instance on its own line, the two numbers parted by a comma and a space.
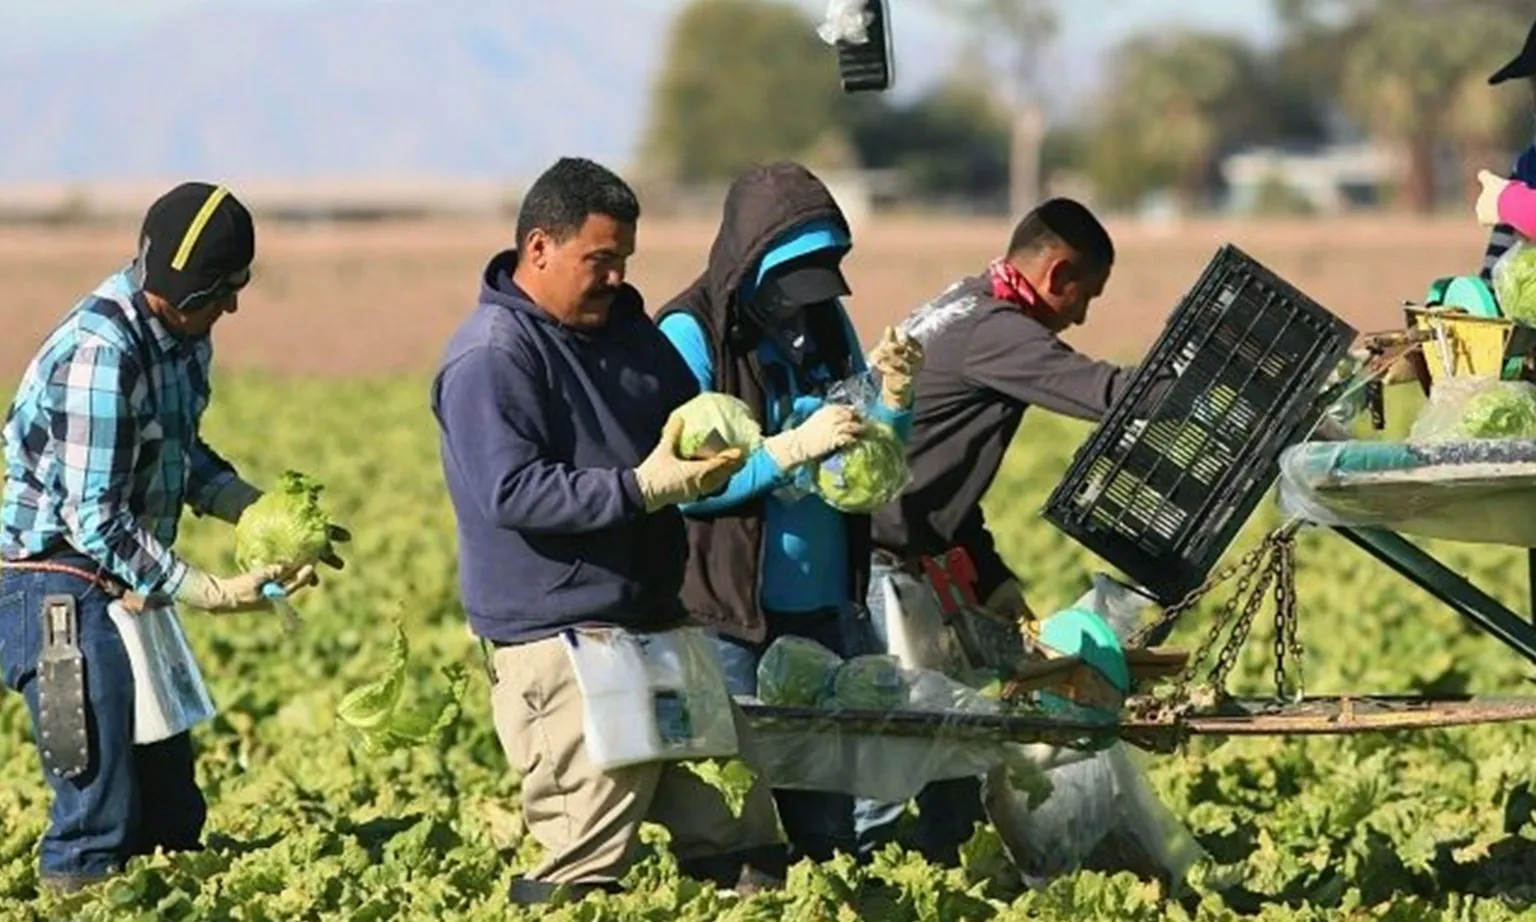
1168, 479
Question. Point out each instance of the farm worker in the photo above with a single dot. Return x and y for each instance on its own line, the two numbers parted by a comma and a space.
764, 323
552, 399
1503, 235
1506, 203
992, 351
102, 453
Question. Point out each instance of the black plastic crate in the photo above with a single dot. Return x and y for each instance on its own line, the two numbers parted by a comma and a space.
1160, 490
870, 66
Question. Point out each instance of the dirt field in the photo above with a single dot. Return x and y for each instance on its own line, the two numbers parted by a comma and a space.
382, 299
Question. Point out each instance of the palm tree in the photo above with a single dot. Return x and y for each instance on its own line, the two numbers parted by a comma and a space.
1417, 78
1172, 103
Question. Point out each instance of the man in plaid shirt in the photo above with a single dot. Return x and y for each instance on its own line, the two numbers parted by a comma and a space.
102, 452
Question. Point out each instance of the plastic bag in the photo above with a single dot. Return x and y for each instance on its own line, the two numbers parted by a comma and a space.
1097, 805
847, 21
1514, 282
1481, 491
796, 672
866, 475
824, 755
1471, 408
1102, 801
650, 697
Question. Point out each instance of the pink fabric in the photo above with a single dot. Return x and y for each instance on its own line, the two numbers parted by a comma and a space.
1517, 208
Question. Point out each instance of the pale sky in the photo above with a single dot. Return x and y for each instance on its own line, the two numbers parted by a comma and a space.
1089, 27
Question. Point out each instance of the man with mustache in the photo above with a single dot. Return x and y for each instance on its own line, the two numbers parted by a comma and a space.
553, 400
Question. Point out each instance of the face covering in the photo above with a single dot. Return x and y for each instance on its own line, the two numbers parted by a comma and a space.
781, 319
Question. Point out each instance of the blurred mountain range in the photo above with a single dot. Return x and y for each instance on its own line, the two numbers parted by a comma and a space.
469, 88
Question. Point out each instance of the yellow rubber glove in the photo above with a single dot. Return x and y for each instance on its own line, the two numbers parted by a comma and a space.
898, 358
830, 428
221, 595
1488, 199
667, 480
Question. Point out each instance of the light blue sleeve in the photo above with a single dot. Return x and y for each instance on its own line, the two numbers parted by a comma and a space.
761, 474
900, 421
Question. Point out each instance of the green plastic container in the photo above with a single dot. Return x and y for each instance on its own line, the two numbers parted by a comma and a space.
1084, 633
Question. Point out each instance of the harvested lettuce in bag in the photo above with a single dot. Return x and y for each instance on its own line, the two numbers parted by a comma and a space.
285, 528
714, 422
870, 683
1464, 409
867, 474
1514, 282
796, 672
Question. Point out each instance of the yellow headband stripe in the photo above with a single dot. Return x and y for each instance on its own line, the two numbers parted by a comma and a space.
195, 230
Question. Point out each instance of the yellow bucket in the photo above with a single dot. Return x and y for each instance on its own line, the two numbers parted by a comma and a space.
1461, 345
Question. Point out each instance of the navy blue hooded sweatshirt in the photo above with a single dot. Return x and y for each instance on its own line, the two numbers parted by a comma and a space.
541, 427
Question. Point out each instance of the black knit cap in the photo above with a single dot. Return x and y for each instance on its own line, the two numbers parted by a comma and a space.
196, 245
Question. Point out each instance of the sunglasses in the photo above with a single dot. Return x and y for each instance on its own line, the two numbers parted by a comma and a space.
218, 291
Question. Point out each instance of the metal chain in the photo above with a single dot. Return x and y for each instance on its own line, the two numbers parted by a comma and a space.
1272, 562
1196, 595
1287, 623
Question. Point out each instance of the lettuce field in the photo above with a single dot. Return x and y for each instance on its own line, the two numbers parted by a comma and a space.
302, 826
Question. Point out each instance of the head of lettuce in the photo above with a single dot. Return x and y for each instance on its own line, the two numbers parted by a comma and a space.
287, 528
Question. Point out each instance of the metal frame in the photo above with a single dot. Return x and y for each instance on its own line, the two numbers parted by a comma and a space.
1423, 570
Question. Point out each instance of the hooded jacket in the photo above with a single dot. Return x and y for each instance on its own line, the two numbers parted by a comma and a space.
722, 583
541, 427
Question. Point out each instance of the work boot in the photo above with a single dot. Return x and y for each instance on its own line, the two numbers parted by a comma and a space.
71, 883
747, 871
525, 892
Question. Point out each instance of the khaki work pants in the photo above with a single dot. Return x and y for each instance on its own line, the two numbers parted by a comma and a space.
588, 820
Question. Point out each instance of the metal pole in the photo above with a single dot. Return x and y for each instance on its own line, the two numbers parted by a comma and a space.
1450, 587
1530, 578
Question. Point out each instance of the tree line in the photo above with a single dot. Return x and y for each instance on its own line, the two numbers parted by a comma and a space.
745, 80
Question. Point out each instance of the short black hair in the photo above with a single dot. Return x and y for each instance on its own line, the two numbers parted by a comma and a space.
572, 190
1063, 222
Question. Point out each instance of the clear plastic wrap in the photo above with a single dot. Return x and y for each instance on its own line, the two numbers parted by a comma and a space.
1481, 491
796, 672
1470, 408
866, 475
1514, 282
1103, 801
847, 21
819, 754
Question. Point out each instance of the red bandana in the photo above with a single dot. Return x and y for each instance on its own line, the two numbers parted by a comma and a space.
1009, 284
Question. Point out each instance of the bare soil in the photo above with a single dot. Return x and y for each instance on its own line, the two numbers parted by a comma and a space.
382, 299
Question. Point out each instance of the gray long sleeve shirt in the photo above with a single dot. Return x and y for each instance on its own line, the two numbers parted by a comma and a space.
986, 362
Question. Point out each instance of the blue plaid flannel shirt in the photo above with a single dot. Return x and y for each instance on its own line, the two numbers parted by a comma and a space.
102, 452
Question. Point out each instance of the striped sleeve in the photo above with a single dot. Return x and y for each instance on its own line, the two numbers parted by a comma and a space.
94, 393
1502, 237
